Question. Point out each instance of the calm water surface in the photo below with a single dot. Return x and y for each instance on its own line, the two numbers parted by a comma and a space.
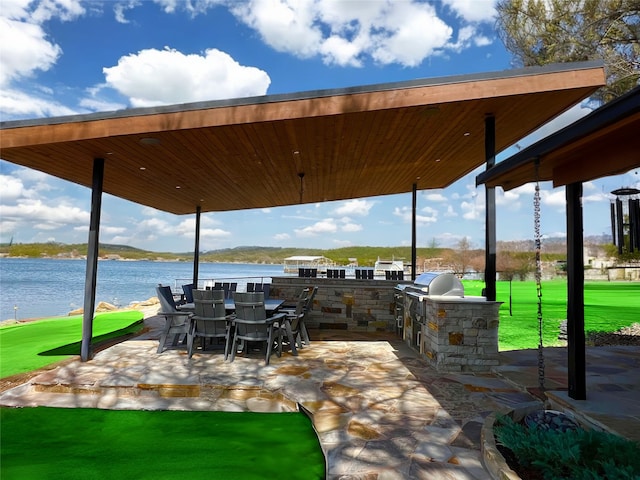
33, 288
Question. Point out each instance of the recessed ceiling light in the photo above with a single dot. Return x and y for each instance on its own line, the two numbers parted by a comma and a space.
438, 159
466, 134
143, 168
177, 186
149, 141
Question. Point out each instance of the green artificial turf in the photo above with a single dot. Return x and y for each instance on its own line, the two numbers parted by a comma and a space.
608, 306
57, 443
28, 346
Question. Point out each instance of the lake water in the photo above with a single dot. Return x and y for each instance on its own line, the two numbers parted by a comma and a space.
35, 288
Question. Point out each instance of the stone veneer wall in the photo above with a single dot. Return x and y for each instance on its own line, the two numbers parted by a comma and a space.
460, 335
345, 304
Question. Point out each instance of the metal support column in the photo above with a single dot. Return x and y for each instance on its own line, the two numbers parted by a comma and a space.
575, 294
93, 244
414, 257
490, 211
196, 249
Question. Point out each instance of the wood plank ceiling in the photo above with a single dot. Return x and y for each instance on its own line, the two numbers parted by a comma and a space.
252, 153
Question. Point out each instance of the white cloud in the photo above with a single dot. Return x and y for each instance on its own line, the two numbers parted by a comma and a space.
25, 47
159, 77
45, 217
554, 198
405, 213
14, 103
355, 207
346, 33
282, 236
285, 26
351, 227
435, 196
107, 230
473, 10
474, 209
322, 227
413, 32
450, 212
11, 188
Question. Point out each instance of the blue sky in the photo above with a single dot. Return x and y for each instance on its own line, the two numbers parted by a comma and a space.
62, 57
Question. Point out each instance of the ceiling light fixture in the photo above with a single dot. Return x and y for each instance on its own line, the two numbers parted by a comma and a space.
149, 141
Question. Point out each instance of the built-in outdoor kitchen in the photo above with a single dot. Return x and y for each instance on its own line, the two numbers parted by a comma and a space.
454, 332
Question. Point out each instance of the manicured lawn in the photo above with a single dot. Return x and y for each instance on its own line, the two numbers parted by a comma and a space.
28, 346
75, 443
608, 307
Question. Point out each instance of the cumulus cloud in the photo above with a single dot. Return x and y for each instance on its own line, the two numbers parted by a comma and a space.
355, 207
435, 196
473, 10
405, 213
347, 33
45, 217
351, 227
322, 227
554, 198
158, 77
28, 50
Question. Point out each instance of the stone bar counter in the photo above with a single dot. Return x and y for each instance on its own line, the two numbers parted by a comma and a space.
455, 334
344, 303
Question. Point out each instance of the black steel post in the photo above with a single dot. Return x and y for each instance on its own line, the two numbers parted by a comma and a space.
613, 222
490, 211
91, 275
414, 258
575, 294
620, 225
196, 251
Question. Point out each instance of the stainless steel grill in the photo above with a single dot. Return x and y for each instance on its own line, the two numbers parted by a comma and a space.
411, 304
436, 283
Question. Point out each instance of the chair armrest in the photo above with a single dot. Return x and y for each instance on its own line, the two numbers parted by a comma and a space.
277, 317
175, 314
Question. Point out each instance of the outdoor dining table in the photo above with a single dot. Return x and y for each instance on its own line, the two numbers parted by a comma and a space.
271, 305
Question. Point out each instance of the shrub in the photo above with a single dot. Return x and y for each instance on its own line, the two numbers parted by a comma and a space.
583, 454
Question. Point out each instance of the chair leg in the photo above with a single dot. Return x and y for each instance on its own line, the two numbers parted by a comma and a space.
190, 345
163, 337
233, 346
269, 345
305, 333
292, 340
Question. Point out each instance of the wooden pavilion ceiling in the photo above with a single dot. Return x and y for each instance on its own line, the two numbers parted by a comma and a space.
601, 144
349, 143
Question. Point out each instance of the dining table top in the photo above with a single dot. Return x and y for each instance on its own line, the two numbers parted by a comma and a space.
270, 305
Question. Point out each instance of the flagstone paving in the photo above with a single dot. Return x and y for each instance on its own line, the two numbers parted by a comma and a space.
379, 411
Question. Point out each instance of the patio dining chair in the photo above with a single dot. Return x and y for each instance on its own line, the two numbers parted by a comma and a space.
176, 321
187, 289
210, 320
307, 308
251, 325
289, 331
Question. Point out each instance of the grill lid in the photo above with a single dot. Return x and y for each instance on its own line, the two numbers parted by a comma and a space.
437, 283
